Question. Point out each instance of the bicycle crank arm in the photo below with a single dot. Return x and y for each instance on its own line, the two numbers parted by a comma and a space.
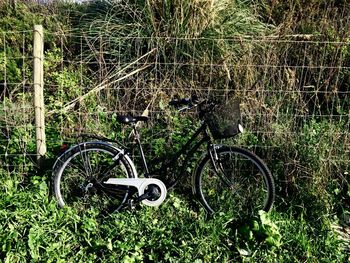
142, 184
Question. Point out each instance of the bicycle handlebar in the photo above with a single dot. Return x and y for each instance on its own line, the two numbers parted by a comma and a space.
189, 103
185, 103
180, 102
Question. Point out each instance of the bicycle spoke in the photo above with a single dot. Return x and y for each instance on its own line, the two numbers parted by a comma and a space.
107, 172
80, 180
86, 161
239, 186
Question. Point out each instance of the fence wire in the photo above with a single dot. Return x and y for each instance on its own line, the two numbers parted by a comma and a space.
17, 138
291, 90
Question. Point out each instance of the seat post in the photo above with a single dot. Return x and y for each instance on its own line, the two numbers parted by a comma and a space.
137, 138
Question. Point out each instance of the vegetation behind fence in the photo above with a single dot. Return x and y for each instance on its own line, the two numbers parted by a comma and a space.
292, 79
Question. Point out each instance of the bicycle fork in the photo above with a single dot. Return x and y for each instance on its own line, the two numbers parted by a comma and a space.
217, 164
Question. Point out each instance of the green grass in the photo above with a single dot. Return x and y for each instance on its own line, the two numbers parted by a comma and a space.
33, 229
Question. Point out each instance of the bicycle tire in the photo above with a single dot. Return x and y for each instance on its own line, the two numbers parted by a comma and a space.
80, 173
233, 189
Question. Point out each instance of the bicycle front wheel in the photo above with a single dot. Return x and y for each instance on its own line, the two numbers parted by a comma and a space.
80, 175
239, 184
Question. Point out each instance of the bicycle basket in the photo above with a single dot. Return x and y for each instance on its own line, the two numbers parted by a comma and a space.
223, 119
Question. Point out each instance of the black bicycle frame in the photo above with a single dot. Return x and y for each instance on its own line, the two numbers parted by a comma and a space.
186, 149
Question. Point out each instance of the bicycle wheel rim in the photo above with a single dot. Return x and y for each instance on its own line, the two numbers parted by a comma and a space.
79, 182
242, 186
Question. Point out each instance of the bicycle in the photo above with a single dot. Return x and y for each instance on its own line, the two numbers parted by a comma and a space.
226, 178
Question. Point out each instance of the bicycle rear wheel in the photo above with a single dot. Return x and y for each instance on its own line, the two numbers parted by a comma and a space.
241, 186
80, 175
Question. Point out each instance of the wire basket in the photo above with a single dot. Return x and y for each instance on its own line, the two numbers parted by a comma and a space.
223, 119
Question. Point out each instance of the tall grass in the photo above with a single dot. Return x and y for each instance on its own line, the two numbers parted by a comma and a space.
180, 34
327, 19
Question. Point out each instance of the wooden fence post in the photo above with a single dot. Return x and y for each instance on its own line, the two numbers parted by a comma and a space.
38, 72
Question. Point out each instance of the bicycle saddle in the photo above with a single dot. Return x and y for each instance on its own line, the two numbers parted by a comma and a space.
131, 119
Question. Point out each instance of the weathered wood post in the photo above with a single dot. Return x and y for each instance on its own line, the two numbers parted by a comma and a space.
38, 72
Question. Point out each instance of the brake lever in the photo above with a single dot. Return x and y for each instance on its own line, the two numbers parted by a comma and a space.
183, 109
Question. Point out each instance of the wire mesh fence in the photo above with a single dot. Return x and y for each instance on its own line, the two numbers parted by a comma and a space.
293, 90
17, 138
